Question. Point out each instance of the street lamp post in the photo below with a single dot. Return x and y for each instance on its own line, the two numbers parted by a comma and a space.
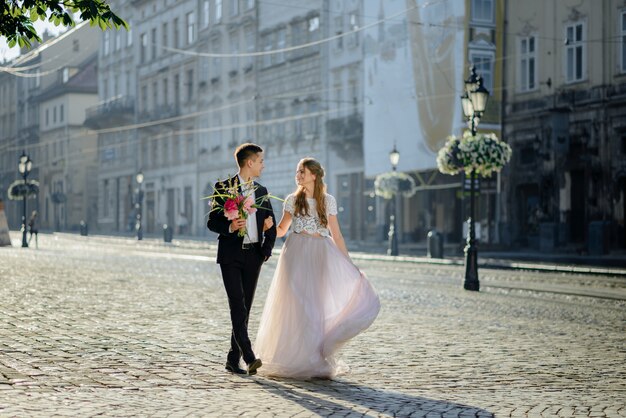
24, 166
474, 102
139, 178
394, 158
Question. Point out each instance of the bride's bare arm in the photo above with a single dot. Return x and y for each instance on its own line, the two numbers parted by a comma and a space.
284, 224
335, 231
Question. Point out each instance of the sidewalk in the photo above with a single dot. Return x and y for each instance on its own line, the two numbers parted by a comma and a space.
610, 264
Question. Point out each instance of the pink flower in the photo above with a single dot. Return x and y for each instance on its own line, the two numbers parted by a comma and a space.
248, 205
231, 209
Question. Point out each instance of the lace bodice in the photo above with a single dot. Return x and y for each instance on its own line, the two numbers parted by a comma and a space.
311, 222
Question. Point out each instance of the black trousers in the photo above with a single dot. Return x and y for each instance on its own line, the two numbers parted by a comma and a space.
240, 280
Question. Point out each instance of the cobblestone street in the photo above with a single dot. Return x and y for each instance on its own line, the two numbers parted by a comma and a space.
114, 327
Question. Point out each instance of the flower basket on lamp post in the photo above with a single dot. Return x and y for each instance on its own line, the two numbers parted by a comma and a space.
474, 154
387, 186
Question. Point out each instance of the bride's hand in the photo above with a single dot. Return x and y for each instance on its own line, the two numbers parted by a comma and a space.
268, 223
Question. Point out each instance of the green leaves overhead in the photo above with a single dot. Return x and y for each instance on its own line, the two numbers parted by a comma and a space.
18, 16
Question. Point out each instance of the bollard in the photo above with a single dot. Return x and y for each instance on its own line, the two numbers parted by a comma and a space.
167, 233
84, 229
435, 244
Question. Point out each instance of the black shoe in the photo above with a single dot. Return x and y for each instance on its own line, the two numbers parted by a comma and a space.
256, 363
234, 368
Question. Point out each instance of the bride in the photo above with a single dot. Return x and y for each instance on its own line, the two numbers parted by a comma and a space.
318, 299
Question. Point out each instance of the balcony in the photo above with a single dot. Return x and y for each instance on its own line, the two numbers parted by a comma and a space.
159, 113
119, 110
345, 136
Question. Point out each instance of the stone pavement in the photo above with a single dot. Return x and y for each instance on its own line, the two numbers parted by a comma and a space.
91, 326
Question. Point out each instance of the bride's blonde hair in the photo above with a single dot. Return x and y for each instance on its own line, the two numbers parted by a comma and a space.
319, 191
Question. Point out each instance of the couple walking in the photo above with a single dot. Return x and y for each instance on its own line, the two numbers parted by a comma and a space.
318, 298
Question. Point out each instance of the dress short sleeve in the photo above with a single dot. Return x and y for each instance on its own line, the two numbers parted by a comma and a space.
331, 205
289, 204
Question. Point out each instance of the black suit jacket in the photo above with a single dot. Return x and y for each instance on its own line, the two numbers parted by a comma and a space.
229, 244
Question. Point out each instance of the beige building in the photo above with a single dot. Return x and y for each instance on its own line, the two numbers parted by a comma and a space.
44, 95
68, 193
565, 84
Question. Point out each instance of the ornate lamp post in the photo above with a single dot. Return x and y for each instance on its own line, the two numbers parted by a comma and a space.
139, 178
394, 158
474, 103
24, 166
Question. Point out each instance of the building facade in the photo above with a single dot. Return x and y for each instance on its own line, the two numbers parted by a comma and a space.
565, 119
40, 77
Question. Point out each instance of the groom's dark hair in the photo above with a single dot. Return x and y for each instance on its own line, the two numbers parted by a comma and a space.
245, 151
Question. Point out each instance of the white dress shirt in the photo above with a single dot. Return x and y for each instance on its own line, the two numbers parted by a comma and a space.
253, 234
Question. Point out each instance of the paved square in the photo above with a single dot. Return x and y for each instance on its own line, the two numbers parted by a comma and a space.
113, 327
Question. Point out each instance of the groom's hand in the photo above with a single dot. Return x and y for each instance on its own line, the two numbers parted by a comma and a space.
237, 224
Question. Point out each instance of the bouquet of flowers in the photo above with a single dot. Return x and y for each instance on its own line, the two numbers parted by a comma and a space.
482, 154
235, 204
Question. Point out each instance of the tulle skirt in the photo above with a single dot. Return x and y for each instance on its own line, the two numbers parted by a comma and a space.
318, 300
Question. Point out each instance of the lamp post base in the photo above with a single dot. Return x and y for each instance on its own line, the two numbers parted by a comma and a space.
471, 268
393, 239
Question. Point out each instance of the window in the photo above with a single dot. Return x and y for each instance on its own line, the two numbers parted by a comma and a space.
176, 34
155, 94
144, 98
250, 46
297, 120
353, 39
189, 85
154, 44
176, 90
129, 34
314, 24
483, 61
234, 122
339, 32
118, 40
482, 10
313, 118
281, 41
143, 48
106, 40
206, 13
218, 11
47, 117
528, 63
216, 133
575, 53
234, 7
61, 113
623, 38
250, 121
164, 35
54, 114
190, 28
234, 48
166, 96
249, 4
66, 74
267, 46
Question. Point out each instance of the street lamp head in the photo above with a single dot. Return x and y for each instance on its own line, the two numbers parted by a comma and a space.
471, 83
468, 108
479, 97
139, 177
25, 164
394, 157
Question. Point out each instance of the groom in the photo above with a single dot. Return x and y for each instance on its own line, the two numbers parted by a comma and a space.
241, 258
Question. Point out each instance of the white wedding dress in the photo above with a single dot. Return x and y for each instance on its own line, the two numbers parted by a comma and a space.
318, 300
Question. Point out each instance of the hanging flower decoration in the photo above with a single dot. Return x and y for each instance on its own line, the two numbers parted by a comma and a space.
18, 189
482, 154
387, 185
